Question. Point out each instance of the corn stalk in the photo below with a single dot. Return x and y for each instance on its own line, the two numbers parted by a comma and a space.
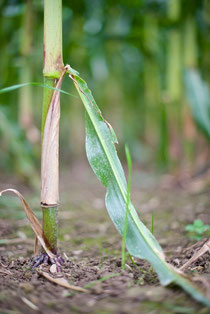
52, 71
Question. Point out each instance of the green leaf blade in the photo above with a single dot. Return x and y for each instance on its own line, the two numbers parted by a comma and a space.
104, 161
17, 86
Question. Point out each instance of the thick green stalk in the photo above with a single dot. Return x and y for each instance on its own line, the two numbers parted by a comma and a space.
53, 60
50, 227
49, 214
53, 67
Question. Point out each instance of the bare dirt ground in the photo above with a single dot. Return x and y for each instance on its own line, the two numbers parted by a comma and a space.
92, 247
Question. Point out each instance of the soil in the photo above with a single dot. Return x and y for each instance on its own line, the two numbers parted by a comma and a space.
92, 247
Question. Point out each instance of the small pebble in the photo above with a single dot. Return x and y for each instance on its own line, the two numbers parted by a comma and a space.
176, 261
53, 269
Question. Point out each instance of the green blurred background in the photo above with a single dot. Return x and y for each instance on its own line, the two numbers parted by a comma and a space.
146, 62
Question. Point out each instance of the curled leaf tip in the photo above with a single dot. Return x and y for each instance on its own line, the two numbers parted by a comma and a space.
70, 70
8, 190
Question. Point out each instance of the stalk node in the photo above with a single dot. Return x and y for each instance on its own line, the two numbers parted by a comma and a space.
45, 205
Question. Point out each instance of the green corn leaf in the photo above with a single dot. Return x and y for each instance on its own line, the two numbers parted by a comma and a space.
14, 87
104, 161
199, 100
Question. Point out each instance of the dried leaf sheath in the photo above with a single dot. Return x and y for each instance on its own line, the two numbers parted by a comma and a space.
34, 222
50, 146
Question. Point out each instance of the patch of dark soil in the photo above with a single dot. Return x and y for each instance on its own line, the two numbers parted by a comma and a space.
92, 249
111, 289
106, 280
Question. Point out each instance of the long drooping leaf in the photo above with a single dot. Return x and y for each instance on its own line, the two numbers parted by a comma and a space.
105, 163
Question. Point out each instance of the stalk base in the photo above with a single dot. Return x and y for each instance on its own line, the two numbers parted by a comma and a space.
50, 227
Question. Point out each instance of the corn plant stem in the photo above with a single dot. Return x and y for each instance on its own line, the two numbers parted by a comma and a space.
50, 227
49, 214
52, 69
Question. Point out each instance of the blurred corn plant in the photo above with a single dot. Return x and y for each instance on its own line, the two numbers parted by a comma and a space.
135, 54
16, 152
25, 112
198, 95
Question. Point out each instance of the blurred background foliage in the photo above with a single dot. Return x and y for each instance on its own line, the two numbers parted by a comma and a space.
147, 63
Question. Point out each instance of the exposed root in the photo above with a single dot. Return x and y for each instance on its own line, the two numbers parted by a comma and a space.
45, 259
